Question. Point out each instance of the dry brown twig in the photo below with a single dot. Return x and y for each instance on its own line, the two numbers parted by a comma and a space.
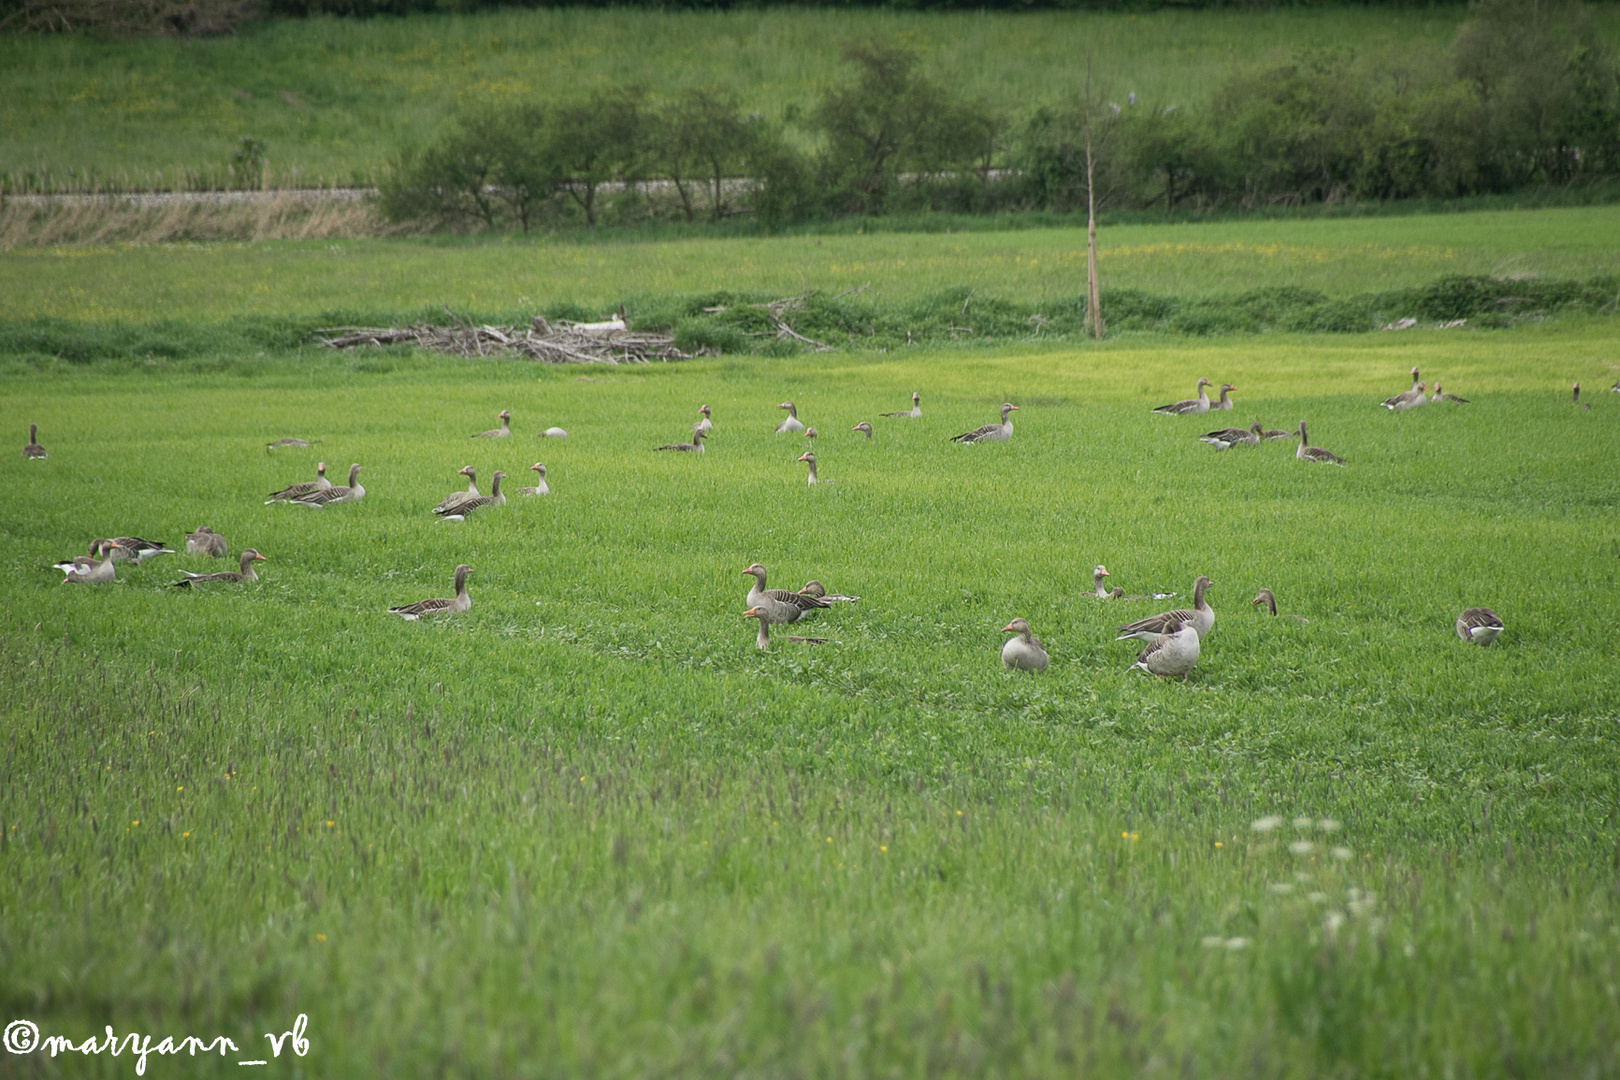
539, 340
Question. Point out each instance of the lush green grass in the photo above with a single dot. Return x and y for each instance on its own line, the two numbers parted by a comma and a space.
334, 98
587, 829
207, 282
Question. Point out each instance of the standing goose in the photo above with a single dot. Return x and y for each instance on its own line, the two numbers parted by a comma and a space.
205, 541
696, 445
1306, 452
1022, 652
764, 638
1201, 618
1441, 395
1199, 404
1225, 404
540, 488
810, 459
1578, 401
502, 432
456, 498
125, 548
230, 577
791, 425
86, 571
1412, 399
337, 493
294, 491
33, 450
464, 509
1172, 653
779, 605
704, 423
1479, 625
1268, 434
914, 413
1097, 574
452, 606
1226, 438
819, 591
990, 432
864, 428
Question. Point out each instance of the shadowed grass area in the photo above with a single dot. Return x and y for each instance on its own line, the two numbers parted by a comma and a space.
589, 828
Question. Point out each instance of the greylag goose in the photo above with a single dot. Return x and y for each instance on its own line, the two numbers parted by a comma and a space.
1097, 574
1268, 434
1306, 452
1412, 399
1479, 625
791, 425
705, 423
125, 548
289, 444
451, 606
1199, 404
293, 491
1265, 597
205, 541
1578, 398
1441, 395
1022, 652
33, 449
229, 577
540, 488
696, 445
501, 432
780, 605
764, 638
819, 591
554, 433
338, 493
810, 459
464, 509
86, 571
990, 432
1201, 618
1172, 653
810, 433
864, 428
455, 498
914, 413
1226, 438
1615, 389
1225, 403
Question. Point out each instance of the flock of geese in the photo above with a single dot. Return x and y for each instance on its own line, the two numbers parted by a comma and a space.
1172, 639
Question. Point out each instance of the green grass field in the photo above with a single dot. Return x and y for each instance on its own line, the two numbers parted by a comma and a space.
588, 829
335, 98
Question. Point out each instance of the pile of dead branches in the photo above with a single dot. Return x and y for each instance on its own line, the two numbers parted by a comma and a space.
564, 343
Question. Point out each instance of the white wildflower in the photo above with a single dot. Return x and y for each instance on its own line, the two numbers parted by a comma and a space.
1267, 823
1327, 824
1237, 943
1281, 888
1341, 853
1302, 847
1317, 897
1303, 823
1214, 941
1334, 920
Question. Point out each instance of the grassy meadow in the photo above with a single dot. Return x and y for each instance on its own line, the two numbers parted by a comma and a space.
588, 829
334, 99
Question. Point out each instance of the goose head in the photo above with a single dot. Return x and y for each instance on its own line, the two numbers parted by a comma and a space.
916, 399
1007, 408
461, 576
469, 472
539, 467
704, 411
814, 588
1099, 573
808, 456
759, 573
809, 432
320, 469
1577, 393
503, 416
252, 556
864, 428
1264, 597
1227, 388
1203, 383
1199, 588
1017, 626
793, 410
354, 474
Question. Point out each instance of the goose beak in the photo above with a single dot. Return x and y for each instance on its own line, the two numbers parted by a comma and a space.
1008, 629
261, 558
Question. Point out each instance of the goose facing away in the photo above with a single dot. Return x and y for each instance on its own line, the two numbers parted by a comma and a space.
1578, 401
1441, 395
464, 509
779, 605
1225, 403
864, 428
705, 423
127, 548
206, 541
293, 491
990, 432
1412, 399
914, 413
1022, 651
230, 577
1097, 574
501, 432
448, 606
33, 450
1199, 404
1479, 625
1201, 618
337, 493
790, 426
1306, 452
1226, 438
455, 498
540, 488
554, 433
810, 459
1172, 653
695, 446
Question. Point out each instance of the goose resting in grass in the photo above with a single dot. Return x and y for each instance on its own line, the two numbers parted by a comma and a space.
1268, 434
451, 606
1172, 653
1097, 574
554, 433
819, 591
990, 432
1412, 399
810, 459
705, 423
337, 493
1022, 652
791, 425
1201, 618
293, 491
1306, 452
229, 577
455, 498
33, 450
1441, 395
540, 488
864, 428
695, 446
779, 605
1226, 438
1225, 404
1199, 404
288, 444
206, 541
86, 571
1479, 625
1265, 597
914, 413
464, 509
127, 548
764, 638
502, 432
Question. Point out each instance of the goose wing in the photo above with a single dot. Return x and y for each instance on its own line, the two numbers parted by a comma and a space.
1154, 624
976, 434
422, 607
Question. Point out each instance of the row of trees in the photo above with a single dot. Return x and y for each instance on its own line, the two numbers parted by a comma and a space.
1526, 95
